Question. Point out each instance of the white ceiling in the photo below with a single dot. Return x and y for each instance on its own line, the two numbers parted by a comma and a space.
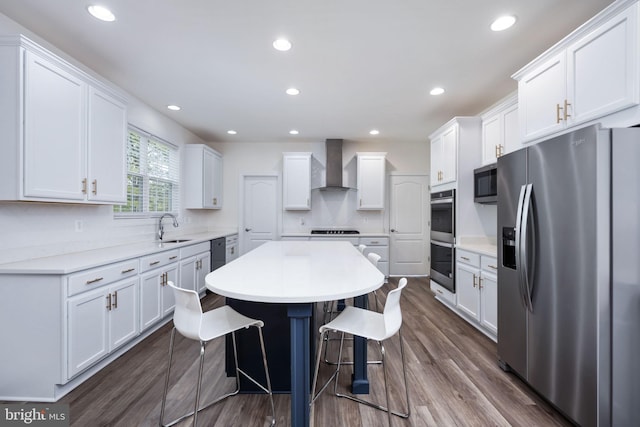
359, 64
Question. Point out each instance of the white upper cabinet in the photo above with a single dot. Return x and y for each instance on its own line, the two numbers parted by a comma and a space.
203, 177
500, 133
65, 132
296, 181
590, 74
371, 178
106, 157
445, 143
444, 155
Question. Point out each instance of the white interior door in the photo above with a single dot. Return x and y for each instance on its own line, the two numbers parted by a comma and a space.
408, 219
259, 211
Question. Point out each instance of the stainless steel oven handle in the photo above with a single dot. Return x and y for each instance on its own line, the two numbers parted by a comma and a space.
441, 201
442, 244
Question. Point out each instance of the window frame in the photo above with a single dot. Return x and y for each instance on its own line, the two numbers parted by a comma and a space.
164, 171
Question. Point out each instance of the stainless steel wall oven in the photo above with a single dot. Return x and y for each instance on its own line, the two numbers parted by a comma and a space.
443, 228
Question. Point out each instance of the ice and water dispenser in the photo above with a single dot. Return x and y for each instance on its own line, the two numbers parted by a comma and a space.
509, 247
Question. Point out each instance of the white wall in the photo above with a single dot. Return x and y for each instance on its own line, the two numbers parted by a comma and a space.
30, 230
331, 208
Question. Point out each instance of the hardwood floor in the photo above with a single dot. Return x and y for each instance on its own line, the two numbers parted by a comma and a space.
454, 380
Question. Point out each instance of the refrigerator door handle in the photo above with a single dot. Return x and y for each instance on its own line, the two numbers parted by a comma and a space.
527, 221
519, 244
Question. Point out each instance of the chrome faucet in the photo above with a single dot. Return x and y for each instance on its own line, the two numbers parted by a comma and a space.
161, 227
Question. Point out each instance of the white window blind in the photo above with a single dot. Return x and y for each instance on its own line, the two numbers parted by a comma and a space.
153, 171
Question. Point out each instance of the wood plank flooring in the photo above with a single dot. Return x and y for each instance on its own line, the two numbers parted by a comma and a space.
454, 380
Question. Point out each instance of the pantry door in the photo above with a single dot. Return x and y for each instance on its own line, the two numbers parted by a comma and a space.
259, 214
409, 225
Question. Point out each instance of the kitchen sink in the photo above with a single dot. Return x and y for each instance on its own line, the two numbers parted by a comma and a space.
176, 241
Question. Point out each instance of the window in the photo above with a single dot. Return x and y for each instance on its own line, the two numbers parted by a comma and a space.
152, 176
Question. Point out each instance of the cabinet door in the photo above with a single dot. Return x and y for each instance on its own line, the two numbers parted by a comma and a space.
541, 95
106, 148
511, 130
188, 269
123, 316
168, 299
603, 70
54, 132
436, 160
371, 182
449, 155
296, 182
150, 298
467, 290
491, 138
87, 330
208, 178
203, 270
217, 182
489, 301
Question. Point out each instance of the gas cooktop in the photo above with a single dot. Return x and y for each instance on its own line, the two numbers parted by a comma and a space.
332, 231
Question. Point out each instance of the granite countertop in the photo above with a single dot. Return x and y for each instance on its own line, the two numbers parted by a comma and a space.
77, 261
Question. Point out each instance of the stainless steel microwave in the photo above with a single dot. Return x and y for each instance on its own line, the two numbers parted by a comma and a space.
485, 184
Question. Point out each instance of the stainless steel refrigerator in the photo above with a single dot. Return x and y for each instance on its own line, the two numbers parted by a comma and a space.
569, 272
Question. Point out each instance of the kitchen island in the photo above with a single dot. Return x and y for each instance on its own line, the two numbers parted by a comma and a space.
299, 274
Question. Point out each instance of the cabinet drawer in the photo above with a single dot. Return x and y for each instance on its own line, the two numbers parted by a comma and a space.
231, 240
375, 241
443, 293
96, 277
159, 259
467, 257
489, 264
192, 250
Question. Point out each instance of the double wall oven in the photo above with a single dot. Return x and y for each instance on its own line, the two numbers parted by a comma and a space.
443, 233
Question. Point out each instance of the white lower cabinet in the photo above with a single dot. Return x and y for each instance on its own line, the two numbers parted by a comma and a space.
195, 264
380, 246
100, 321
156, 297
87, 318
476, 290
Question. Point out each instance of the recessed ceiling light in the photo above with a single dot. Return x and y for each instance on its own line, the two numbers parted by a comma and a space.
173, 107
101, 13
282, 44
374, 132
437, 91
503, 22
293, 132
292, 91
232, 132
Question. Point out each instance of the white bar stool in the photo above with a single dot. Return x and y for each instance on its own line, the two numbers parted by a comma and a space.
372, 326
192, 323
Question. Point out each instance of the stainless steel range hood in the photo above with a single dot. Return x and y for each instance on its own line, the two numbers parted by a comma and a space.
333, 168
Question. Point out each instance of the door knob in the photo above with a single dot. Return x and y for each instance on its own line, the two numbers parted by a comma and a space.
247, 229
393, 230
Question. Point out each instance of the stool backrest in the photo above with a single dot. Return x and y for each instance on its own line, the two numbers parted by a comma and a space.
392, 313
374, 258
187, 316
362, 247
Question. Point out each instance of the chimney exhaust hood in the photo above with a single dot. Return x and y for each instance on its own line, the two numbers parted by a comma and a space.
333, 169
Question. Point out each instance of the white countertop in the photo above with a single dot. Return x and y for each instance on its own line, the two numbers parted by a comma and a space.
72, 262
480, 248
297, 272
